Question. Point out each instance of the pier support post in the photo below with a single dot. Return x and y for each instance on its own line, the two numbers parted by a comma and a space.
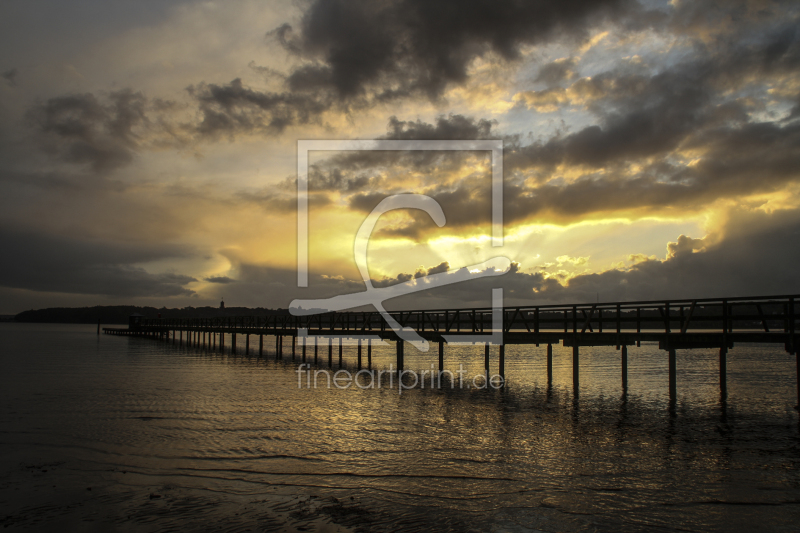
549, 363
278, 354
723, 370
400, 354
260, 345
369, 356
359, 354
233, 342
221, 341
797, 356
340, 352
181, 341
247, 344
673, 375
486, 358
204, 338
502, 365
624, 368
294, 346
441, 357
316, 350
330, 352
304, 349
576, 378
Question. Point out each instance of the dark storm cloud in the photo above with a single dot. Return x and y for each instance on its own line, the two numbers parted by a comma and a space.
416, 46
644, 120
45, 263
643, 116
233, 108
10, 76
358, 53
219, 279
83, 129
451, 127
556, 72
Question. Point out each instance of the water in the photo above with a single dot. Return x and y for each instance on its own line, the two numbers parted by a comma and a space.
116, 433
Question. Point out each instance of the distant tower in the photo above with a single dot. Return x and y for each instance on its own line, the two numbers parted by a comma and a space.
222, 304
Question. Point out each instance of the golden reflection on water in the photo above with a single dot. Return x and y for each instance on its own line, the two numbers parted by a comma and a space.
205, 423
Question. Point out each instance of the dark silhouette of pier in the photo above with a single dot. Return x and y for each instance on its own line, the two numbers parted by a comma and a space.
675, 324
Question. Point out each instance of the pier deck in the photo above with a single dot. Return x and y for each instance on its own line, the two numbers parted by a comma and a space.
675, 324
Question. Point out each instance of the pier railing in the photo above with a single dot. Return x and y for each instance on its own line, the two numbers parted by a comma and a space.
769, 318
674, 324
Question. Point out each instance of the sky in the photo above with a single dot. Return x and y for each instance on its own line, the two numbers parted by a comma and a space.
148, 149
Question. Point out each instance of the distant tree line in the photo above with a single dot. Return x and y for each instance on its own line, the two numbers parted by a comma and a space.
118, 314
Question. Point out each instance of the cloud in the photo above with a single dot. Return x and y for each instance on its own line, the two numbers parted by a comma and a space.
45, 263
103, 133
10, 76
401, 47
556, 72
232, 109
673, 141
356, 54
685, 245
219, 279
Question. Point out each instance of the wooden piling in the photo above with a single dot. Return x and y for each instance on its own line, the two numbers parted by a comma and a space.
316, 350
549, 363
260, 345
797, 356
233, 342
304, 349
340, 352
723, 370
400, 355
624, 367
576, 378
502, 365
247, 344
369, 357
359, 354
441, 356
181, 341
330, 352
486, 358
221, 341
294, 346
673, 375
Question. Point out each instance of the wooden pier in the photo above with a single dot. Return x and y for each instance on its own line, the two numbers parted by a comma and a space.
674, 324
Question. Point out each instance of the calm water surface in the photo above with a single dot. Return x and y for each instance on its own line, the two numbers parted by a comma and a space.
114, 433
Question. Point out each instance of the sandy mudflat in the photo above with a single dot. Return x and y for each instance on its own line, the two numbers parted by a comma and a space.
53, 496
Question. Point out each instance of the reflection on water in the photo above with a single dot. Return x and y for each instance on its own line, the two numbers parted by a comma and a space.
167, 436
